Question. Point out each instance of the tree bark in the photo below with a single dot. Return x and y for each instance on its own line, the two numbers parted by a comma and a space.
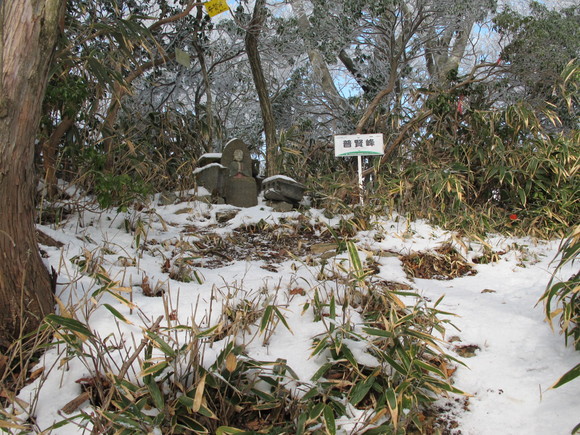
122, 89
251, 42
119, 92
377, 99
205, 75
29, 30
443, 54
50, 153
319, 65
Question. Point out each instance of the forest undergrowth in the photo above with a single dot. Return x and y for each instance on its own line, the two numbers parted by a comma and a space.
381, 345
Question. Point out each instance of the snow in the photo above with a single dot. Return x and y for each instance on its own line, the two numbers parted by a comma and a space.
508, 379
280, 177
210, 156
211, 165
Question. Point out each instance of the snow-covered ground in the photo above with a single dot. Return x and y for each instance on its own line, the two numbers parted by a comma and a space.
517, 356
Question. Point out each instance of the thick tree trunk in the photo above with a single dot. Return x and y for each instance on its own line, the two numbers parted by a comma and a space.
261, 86
29, 30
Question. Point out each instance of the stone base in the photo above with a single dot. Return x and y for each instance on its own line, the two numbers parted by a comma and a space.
280, 188
241, 192
211, 177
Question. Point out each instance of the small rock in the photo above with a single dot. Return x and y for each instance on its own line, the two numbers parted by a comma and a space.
167, 198
226, 215
184, 210
280, 206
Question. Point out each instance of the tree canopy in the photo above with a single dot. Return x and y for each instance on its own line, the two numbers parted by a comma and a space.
140, 90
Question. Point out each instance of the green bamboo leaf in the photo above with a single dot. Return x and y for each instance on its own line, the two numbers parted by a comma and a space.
321, 371
263, 395
398, 367
207, 412
377, 332
191, 424
282, 318
301, 424
349, 356
122, 299
156, 395
71, 324
206, 332
391, 398
568, 376
428, 367
329, 421
161, 344
153, 369
316, 411
117, 314
113, 416
380, 430
99, 71
227, 430
266, 318
361, 389
355, 260
445, 386
320, 346
313, 392
186, 401
522, 196
393, 406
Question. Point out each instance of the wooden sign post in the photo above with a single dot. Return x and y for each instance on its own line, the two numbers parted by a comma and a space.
359, 145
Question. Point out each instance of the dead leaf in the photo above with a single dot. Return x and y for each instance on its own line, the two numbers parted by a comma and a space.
74, 404
231, 362
200, 389
36, 374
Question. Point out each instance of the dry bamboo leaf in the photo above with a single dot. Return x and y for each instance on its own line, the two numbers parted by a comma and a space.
231, 362
197, 400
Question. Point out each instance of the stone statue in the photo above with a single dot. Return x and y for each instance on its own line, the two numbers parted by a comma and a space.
237, 168
241, 188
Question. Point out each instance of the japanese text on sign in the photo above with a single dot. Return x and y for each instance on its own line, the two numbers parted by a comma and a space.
358, 145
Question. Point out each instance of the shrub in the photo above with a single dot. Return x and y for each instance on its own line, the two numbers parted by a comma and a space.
561, 299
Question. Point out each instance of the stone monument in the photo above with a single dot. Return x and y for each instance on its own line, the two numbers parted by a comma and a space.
240, 186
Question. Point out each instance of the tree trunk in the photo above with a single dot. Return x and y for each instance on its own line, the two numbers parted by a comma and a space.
29, 30
50, 153
319, 65
260, 83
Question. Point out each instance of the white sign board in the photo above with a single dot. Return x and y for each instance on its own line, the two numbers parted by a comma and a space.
358, 145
